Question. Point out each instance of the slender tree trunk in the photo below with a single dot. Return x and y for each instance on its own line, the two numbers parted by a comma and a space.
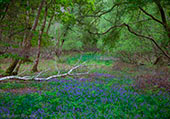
49, 24
57, 52
35, 65
1, 35
27, 43
60, 46
35, 69
166, 27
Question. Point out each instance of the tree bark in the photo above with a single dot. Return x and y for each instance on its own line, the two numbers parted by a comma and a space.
158, 59
11, 68
35, 69
17, 67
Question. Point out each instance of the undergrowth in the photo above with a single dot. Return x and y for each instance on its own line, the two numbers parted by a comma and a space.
68, 98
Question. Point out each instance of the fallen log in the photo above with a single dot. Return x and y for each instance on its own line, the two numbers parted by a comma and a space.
36, 77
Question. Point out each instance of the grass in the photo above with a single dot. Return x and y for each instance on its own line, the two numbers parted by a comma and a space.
109, 92
90, 59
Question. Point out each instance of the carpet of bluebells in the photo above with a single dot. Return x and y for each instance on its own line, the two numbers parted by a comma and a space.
105, 98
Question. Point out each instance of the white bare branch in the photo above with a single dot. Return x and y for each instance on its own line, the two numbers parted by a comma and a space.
69, 73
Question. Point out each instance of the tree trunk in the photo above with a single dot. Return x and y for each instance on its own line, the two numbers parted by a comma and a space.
59, 47
157, 60
11, 68
49, 24
57, 52
163, 17
1, 35
27, 42
35, 69
17, 68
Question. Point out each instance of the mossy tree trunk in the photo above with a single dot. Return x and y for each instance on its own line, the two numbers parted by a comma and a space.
12, 66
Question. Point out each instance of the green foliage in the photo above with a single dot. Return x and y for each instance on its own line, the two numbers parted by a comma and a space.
66, 98
90, 58
111, 39
72, 45
3, 2
9, 55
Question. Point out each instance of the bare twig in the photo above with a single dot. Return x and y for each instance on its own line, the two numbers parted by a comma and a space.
78, 62
41, 73
24, 71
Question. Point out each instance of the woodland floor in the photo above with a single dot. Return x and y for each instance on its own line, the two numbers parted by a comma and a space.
112, 90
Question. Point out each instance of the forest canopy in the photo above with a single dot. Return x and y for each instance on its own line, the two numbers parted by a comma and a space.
133, 30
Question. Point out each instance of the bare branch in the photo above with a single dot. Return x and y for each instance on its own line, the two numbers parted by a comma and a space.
76, 67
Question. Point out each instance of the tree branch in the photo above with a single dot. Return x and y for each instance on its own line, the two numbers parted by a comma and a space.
147, 37
69, 73
107, 11
151, 16
139, 35
106, 30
